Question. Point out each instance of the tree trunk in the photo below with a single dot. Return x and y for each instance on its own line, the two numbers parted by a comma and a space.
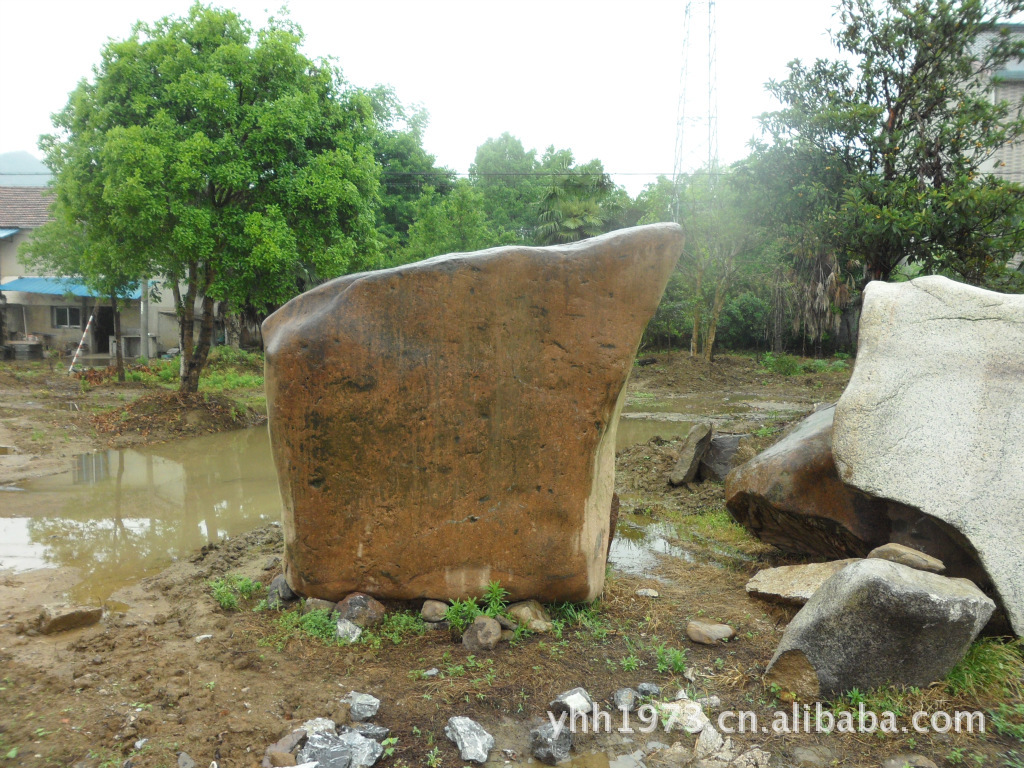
119, 357
201, 350
697, 301
716, 312
232, 328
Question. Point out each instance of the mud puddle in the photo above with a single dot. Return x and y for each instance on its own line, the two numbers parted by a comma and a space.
120, 515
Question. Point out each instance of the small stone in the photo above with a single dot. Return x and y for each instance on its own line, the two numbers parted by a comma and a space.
707, 633
272, 563
61, 618
647, 592
539, 626
184, 761
347, 631
319, 725
362, 706
202, 638
813, 757
912, 558
432, 672
682, 716
290, 742
528, 610
794, 584
372, 731
434, 610
908, 761
279, 593
362, 610
474, 742
506, 622
648, 690
349, 750
625, 699
316, 604
436, 625
709, 742
482, 635
572, 701
654, 746
709, 702
548, 746
280, 759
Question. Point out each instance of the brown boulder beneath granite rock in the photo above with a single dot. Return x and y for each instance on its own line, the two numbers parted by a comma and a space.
449, 423
790, 495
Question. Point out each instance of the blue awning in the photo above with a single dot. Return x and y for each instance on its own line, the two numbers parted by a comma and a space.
58, 286
5, 233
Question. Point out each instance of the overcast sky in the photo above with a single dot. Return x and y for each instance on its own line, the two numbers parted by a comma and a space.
601, 77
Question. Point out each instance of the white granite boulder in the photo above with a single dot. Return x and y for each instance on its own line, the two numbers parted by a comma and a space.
933, 417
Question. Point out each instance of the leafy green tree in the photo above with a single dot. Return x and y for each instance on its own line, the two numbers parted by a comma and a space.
572, 204
887, 160
242, 169
407, 169
508, 178
456, 223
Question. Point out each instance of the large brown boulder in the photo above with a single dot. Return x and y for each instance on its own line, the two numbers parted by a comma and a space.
445, 424
790, 495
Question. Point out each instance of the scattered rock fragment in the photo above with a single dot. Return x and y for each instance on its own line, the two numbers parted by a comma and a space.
909, 761
528, 611
319, 725
878, 623
649, 690
813, 757
793, 584
550, 745
625, 699
647, 592
682, 715
473, 741
708, 633
279, 593
61, 618
434, 610
347, 631
362, 706
482, 635
184, 761
692, 451
349, 750
316, 604
372, 731
572, 701
362, 610
912, 558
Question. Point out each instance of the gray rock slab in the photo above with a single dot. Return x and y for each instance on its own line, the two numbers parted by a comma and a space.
932, 416
625, 699
709, 633
473, 741
878, 623
482, 635
649, 689
278, 592
717, 461
434, 610
794, 584
692, 451
348, 631
550, 744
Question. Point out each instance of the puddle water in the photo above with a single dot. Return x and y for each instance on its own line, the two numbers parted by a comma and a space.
637, 428
636, 546
121, 515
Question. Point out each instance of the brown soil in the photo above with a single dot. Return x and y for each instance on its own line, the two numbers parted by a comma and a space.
84, 698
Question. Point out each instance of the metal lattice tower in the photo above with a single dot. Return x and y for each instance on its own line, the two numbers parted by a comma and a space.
697, 112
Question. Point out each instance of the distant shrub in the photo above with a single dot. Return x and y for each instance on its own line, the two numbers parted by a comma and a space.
785, 365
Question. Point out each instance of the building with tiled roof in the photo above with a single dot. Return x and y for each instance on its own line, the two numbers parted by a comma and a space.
24, 207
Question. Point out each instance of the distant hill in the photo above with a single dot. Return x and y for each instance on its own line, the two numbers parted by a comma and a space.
20, 169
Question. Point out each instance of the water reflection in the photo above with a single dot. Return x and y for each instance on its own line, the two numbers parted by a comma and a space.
120, 515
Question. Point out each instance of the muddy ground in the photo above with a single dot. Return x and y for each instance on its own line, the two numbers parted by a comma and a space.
167, 670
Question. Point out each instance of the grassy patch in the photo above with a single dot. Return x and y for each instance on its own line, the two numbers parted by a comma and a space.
231, 590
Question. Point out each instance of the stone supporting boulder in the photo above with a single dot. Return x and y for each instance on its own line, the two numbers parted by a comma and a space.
933, 417
790, 495
793, 584
690, 454
449, 423
877, 623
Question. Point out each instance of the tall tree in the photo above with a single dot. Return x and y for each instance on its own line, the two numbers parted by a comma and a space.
251, 166
453, 224
508, 177
889, 159
572, 203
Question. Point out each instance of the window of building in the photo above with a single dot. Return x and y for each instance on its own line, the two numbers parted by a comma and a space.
67, 317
